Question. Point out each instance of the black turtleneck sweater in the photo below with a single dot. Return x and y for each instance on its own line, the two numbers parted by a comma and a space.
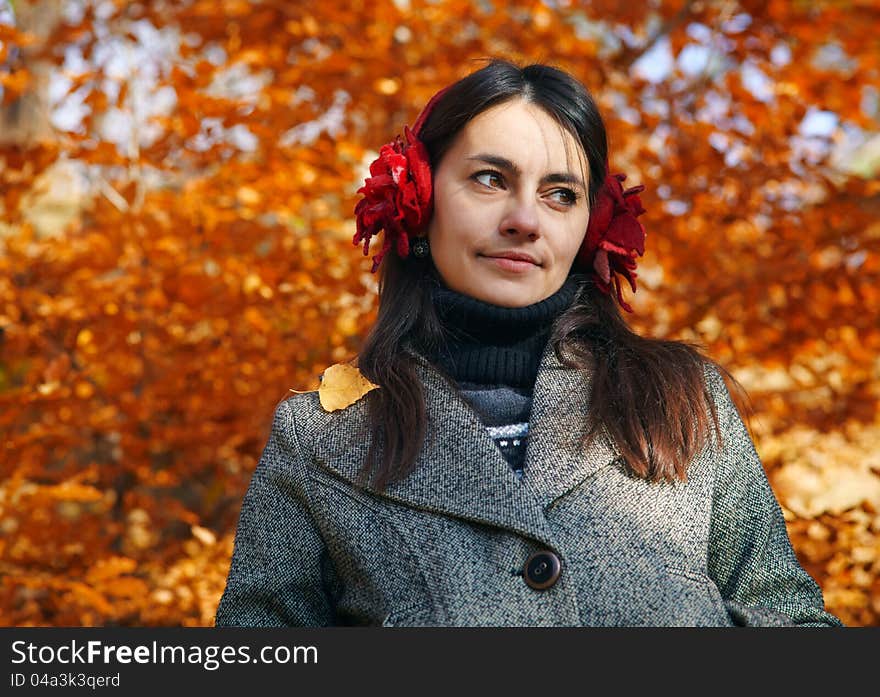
493, 353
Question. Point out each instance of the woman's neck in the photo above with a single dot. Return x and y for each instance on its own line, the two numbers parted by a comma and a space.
491, 344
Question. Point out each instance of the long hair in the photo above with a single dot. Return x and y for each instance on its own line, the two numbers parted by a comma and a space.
649, 394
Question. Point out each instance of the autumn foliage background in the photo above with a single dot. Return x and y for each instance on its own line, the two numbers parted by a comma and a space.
177, 182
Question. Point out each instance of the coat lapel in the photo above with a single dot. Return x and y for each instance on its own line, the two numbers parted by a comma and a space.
555, 462
460, 471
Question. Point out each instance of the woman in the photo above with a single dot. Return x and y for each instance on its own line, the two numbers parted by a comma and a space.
526, 460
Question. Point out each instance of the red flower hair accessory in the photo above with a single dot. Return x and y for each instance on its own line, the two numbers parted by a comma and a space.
397, 194
614, 237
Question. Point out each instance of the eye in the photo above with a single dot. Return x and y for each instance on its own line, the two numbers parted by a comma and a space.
489, 177
567, 197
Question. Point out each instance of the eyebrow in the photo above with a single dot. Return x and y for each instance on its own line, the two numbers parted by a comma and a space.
504, 163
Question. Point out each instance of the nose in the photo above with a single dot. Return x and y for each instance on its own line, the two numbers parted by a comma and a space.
521, 218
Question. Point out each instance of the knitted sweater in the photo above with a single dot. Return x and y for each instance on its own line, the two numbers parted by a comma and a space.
492, 353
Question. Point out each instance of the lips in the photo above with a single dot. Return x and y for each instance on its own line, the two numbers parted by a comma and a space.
515, 256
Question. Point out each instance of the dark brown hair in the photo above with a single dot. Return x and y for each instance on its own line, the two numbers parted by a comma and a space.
649, 394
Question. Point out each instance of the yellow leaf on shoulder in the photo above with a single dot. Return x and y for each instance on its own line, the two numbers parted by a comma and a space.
342, 385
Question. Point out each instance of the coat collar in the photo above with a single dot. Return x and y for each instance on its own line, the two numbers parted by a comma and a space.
461, 472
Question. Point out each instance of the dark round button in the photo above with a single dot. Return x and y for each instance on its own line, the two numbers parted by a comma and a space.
542, 569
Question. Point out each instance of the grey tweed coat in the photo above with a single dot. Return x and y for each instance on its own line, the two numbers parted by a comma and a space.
447, 545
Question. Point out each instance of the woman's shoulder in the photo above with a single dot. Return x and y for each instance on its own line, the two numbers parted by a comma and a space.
337, 405
717, 387
713, 381
300, 405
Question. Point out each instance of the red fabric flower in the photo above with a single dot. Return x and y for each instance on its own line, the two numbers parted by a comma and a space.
397, 197
397, 194
614, 237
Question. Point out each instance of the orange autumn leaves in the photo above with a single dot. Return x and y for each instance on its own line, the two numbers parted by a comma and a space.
341, 386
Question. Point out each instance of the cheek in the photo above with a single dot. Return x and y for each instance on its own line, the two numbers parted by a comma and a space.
442, 205
455, 216
573, 239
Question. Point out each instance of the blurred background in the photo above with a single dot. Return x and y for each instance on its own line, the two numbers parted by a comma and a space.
177, 182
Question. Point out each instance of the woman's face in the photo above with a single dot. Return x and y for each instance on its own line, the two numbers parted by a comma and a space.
514, 182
